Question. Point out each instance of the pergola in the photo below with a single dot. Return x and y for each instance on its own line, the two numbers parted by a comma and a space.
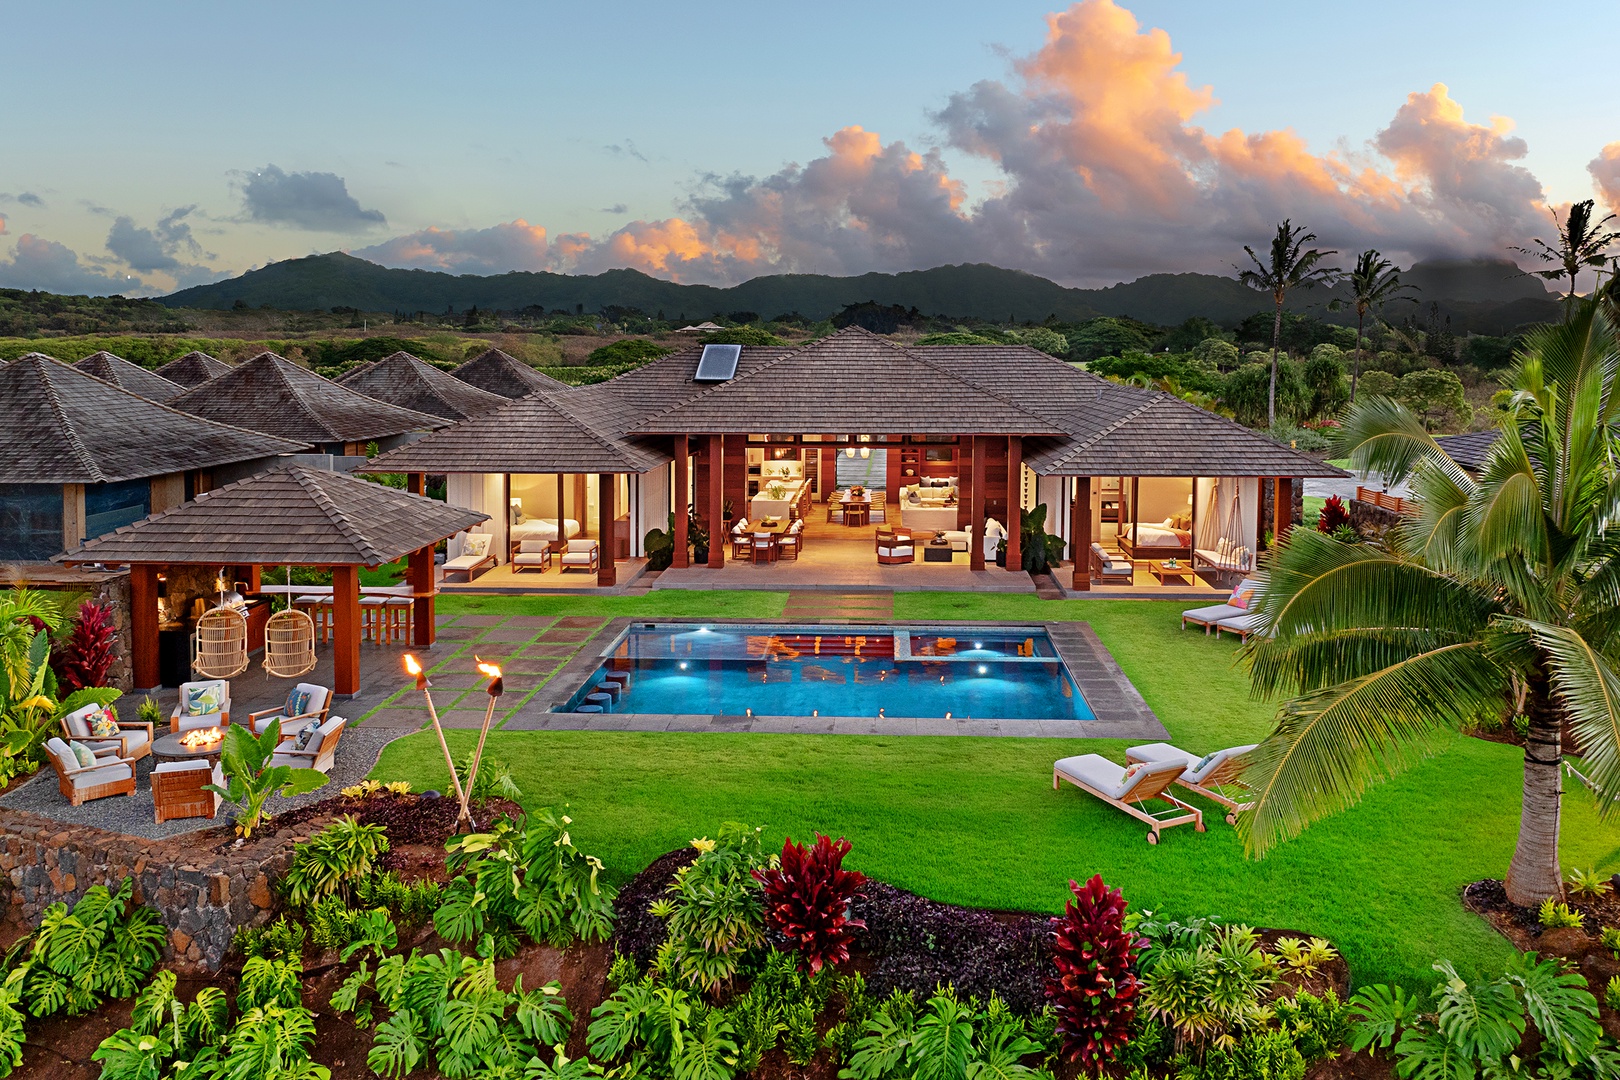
294, 517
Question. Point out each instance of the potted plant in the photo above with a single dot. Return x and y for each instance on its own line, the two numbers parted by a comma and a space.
699, 536
775, 490
728, 509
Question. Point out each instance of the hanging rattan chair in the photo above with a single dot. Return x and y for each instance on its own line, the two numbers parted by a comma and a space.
289, 643
219, 648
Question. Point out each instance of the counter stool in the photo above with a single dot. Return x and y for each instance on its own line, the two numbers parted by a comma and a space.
372, 617
319, 609
399, 610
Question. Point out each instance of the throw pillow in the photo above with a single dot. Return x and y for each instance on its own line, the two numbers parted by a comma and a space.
1241, 599
202, 700
1132, 770
85, 756
1203, 762
102, 724
297, 702
305, 735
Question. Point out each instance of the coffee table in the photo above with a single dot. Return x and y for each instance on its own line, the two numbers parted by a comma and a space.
1166, 574
170, 748
936, 551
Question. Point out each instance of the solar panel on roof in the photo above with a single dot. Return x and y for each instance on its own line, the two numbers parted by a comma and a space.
718, 363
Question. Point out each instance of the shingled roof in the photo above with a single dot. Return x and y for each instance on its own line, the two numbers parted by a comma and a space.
296, 516
271, 394
540, 433
411, 383
193, 369
109, 367
64, 426
851, 381
505, 375
1470, 449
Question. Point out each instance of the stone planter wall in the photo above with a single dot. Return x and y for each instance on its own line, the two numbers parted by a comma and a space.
1371, 521
203, 896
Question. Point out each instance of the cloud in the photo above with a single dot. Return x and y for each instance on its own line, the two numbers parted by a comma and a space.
1605, 170
616, 208
23, 198
317, 201
37, 263
156, 248
515, 245
2, 224
625, 149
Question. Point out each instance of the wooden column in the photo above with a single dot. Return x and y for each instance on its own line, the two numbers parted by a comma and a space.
345, 631
1282, 508
1080, 530
1015, 503
561, 543
143, 627
976, 513
717, 472
73, 516
680, 504
413, 483
607, 509
419, 574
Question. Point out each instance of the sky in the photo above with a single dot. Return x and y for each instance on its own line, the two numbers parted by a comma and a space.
156, 146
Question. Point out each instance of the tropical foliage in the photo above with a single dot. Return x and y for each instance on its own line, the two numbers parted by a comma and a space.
1374, 282
714, 908
30, 701
1094, 990
1289, 266
807, 895
250, 778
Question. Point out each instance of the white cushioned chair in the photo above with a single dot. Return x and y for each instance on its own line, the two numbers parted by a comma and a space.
320, 700
319, 753
81, 783
183, 719
133, 741
894, 548
581, 555
532, 555
1109, 570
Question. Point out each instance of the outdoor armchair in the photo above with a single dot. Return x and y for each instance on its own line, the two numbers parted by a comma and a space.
133, 741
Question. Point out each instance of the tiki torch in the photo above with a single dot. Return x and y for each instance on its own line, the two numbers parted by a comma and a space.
495, 689
415, 669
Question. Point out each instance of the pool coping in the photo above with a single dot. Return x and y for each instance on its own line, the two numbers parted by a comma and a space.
1120, 711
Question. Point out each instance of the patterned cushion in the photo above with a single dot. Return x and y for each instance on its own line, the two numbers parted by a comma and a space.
204, 699
297, 702
1204, 761
102, 724
306, 735
1241, 599
85, 756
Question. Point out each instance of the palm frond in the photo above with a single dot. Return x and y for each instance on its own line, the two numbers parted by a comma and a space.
1382, 436
1330, 746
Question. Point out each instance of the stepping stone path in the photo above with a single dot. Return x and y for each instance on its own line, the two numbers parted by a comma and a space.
813, 606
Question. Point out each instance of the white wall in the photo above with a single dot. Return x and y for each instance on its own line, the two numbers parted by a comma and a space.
1053, 492
649, 502
1160, 497
482, 492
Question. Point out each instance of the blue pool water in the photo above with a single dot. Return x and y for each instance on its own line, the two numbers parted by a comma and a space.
1002, 673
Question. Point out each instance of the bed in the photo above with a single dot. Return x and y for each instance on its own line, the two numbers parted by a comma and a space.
542, 529
1155, 540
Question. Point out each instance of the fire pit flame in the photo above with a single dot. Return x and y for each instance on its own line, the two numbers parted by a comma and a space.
199, 738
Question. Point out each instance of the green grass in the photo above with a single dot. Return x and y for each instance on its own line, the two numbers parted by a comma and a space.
975, 820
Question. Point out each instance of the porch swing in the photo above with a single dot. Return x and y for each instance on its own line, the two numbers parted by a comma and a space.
219, 647
1230, 555
289, 640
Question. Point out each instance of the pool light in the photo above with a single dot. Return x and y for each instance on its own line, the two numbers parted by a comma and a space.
983, 670
683, 665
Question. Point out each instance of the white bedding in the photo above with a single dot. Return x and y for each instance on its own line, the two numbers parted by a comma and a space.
544, 529
1158, 536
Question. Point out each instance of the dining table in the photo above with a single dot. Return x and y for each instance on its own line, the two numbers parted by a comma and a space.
857, 510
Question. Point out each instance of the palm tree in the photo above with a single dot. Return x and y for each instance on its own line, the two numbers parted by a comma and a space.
1499, 597
1289, 268
1581, 243
1374, 282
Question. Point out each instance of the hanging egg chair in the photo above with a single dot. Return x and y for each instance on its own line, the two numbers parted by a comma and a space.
219, 648
289, 643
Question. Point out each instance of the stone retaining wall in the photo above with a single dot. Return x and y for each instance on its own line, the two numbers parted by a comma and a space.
202, 895
1371, 521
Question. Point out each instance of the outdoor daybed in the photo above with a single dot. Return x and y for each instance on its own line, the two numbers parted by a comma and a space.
1129, 788
1214, 776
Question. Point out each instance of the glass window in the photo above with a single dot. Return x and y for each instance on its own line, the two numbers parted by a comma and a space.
109, 506
30, 521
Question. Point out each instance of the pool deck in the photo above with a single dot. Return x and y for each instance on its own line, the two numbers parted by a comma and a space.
1120, 711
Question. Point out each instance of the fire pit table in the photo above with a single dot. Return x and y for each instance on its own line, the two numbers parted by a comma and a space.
171, 748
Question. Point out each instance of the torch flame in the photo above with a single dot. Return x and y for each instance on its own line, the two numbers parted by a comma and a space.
411, 666
486, 668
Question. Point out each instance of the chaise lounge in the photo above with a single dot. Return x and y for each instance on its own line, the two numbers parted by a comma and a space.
475, 555
1214, 776
1128, 789
1238, 603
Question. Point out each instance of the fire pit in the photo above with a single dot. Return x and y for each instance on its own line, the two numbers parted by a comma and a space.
200, 739
190, 745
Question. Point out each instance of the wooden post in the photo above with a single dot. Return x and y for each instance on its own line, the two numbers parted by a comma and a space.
561, 542
680, 504
73, 516
717, 527
413, 483
420, 575
1081, 531
1282, 508
143, 627
1015, 503
607, 509
345, 631
976, 514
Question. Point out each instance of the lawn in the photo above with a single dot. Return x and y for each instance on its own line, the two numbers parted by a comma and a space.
975, 820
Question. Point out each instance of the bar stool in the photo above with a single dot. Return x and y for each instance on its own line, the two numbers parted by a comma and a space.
400, 610
372, 616
610, 688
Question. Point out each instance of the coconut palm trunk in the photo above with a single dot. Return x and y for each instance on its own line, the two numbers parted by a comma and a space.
1276, 343
1534, 872
1355, 365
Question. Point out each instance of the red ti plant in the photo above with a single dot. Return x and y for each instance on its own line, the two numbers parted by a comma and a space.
1332, 516
807, 900
1095, 989
88, 654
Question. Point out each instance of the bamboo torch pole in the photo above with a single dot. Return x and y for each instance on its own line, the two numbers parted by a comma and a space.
413, 668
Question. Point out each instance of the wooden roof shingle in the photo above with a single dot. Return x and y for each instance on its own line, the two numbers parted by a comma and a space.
109, 367
500, 373
297, 515
1470, 449
411, 383
271, 394
65, 426
193, 369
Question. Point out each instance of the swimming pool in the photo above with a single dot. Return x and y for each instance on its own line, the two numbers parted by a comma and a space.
1002, 673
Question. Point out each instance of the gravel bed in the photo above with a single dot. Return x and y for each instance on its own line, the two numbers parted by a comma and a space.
132, 815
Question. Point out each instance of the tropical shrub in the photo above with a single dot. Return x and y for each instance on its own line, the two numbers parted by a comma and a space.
947, 1040
807, 895
279, 940
1588, 884
87, 655
714, 908
1480, 1026
1319, 1026
30, 700
1208, 993
1332, 516
333, 860
1554, 914
1094, 991
1305, 957
250, 779
103, 948
494, 780
410, 903
532, 879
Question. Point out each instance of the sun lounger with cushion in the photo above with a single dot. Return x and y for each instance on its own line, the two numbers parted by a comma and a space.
1130, 789
1207, 617
1214, 776
1242, 625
